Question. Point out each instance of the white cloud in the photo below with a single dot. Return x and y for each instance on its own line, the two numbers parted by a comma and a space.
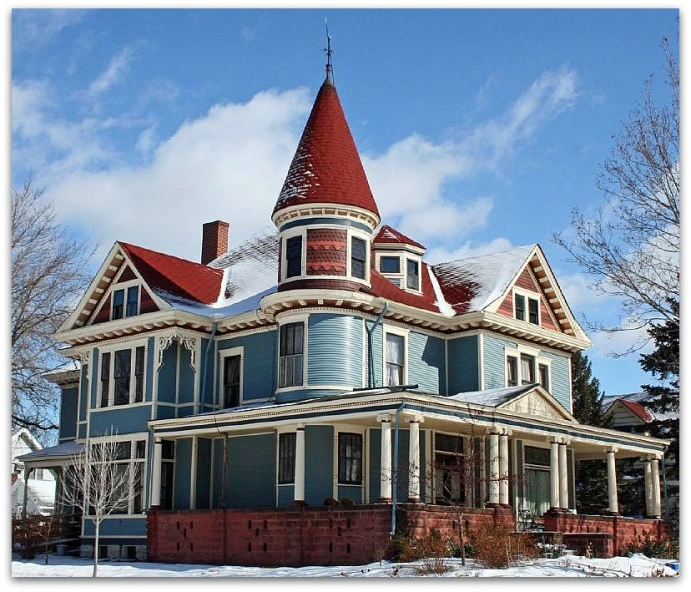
33, 29
114, 73
468, 249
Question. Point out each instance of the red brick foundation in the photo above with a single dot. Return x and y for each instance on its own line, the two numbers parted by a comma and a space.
355, 535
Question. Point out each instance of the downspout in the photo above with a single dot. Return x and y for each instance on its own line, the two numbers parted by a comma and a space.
394, 472
370, 345
202, 396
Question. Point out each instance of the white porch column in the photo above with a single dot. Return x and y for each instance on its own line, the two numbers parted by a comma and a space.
385, 483
414, 458
612, 481
655, 484
494, 468
648, 473
299, 488
563, 477
156, 473
554, 474
504, 468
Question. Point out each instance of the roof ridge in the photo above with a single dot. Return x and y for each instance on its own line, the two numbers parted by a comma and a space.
131, 246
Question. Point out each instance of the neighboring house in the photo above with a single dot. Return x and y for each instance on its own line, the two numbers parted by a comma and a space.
328, 366
36, 490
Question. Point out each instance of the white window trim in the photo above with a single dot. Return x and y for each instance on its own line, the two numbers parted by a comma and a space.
528, 295
298, 318
350, 233
229, 353
290, 233
350, 429
124, 286
111, 349
390, 329
516, 352
418, 260
291, 429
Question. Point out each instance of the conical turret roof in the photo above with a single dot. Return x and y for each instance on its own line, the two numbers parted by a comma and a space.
326, 167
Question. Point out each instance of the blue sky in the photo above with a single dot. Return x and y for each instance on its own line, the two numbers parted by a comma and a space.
479, 129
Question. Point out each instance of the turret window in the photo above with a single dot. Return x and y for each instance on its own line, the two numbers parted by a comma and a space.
290, 361
294, 256
358, 258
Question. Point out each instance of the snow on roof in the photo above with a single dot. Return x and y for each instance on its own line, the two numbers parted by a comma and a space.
444, 307
492, 397
390, 235
473, 283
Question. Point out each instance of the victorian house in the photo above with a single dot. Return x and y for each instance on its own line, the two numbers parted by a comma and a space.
303, 397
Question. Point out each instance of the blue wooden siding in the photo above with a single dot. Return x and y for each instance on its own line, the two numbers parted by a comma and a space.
351, 492
187, 377
426, 366
334, 350
206, 378
286, 495
183, 472
400, 467
495, 361
325, 220
259, 364
117, 527
464, 374
251, 479
124, 420
68, 413
167, 374
217, 462
203, 473
319, 470
376, 353
87, 378
559, 382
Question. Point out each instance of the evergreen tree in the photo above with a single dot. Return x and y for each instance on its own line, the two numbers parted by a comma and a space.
591, 475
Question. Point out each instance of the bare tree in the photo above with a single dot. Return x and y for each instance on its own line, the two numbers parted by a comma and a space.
49, 274
98, 485
631, 246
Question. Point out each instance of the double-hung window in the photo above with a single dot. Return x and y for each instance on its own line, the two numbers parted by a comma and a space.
511, 371
350, 458
395, 359
358, 257
531, 314
291, 350
231, 381
527, 369
413, 275
125, 460
293, 256
543, 371
122, 377
286, 458
125, 308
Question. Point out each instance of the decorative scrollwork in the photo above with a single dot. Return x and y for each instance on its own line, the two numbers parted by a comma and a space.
189, 342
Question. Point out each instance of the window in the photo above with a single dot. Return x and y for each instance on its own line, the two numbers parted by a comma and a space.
128, 309
413, 279
519, 306
544, 376
286, 458
122, 377
449, 469
128, 460
132, 309
527, 369
533, 315
358, 258
231, 381
350, 459
294, 256
394, 359
290, 359
511, 371
389, 264
167, 467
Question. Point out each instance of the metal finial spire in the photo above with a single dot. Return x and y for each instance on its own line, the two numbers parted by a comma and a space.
328, 51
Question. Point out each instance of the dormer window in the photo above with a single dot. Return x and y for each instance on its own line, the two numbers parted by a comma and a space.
125, 302
413, 275
389, 264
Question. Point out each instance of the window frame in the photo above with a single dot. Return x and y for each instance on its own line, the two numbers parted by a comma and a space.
418, 263
391, 257
297, 319
399, 332
527, 296
359, 436
352, 237
285, 236
546, 367
282, 479
223, 355
124, 289
539, 359
135, 378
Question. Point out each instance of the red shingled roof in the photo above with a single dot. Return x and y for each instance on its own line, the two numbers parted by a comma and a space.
326, 167
385, 289
637, 409
390, 235
178, 277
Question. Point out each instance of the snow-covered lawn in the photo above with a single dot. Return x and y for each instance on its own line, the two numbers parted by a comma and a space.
567, 566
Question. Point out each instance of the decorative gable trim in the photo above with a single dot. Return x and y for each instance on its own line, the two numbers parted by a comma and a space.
538, 402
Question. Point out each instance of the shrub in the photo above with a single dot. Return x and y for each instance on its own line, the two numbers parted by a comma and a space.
430, 551
499, 547
660, 548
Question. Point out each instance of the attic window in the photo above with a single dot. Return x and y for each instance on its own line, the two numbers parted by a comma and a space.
413, 275
390, 264
519, 307
125, 308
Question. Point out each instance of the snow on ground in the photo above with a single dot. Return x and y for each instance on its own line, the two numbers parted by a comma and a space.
563, 567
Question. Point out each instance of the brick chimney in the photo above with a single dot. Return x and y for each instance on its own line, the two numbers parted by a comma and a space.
214, 240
